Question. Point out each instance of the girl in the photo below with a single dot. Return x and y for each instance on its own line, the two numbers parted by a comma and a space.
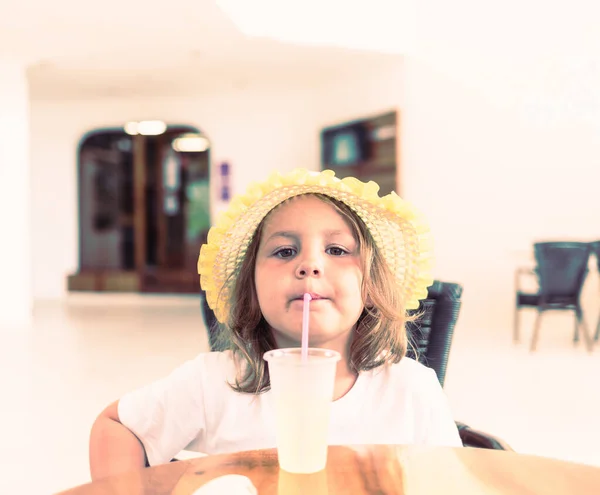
365, 261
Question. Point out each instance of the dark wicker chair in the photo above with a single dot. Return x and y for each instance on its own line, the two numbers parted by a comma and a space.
561, 268
431, 336
480, 439
210, 320
595, 246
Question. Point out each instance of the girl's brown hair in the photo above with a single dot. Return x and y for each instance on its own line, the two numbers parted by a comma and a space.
380, 334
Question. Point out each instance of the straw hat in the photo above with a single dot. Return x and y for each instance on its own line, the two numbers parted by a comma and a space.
397, 229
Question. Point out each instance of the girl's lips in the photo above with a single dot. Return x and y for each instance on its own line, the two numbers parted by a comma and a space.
314, 297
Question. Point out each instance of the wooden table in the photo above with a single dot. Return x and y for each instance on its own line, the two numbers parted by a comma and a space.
357, 470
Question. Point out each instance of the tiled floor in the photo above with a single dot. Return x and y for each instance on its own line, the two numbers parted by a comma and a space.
81, 354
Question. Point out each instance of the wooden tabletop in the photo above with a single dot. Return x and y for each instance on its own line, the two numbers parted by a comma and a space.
357, 470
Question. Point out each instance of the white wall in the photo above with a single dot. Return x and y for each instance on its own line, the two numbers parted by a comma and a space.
492, 172
501, 141
15, 266
365, 93
256, 131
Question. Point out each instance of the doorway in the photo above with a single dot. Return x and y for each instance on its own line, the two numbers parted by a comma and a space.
144, 210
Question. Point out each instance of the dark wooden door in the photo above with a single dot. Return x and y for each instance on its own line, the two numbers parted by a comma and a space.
144, 212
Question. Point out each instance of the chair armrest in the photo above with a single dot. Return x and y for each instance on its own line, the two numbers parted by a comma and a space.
479, 439
523, 271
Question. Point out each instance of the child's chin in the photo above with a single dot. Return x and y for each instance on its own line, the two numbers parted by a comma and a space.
294, 336
318, 335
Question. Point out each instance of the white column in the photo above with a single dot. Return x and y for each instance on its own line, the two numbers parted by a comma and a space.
16, 296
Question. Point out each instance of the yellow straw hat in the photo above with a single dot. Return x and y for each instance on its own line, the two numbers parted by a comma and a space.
397, 229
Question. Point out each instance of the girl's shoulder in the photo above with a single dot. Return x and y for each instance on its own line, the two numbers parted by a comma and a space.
223, 362
408, 373
410, 365
216, 358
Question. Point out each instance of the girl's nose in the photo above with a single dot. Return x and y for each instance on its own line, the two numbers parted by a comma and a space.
308, 268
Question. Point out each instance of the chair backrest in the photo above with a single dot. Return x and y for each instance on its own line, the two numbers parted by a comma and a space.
595, 247
210, 320
561, 268
431, 335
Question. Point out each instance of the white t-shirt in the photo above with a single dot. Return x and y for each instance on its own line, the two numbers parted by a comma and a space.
195, 409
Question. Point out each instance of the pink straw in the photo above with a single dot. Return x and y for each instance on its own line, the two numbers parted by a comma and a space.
305, 315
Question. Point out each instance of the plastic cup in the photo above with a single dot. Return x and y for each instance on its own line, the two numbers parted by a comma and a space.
302, 484
302, 391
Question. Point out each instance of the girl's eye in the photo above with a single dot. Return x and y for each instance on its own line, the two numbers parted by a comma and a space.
336, 251
284, 253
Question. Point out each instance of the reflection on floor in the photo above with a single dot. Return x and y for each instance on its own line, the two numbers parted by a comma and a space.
82, 354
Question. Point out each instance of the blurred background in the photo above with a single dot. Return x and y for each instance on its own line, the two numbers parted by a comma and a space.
126, 128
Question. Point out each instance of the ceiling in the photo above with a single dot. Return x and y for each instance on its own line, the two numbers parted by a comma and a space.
126, 48
139, 48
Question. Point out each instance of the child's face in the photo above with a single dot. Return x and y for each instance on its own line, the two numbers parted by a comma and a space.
307, 246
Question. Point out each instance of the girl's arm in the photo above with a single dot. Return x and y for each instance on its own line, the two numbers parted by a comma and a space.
114, 449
